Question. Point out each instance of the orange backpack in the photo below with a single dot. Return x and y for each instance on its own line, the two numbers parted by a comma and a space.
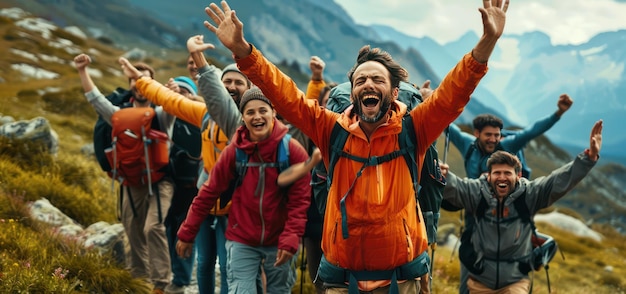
138, 152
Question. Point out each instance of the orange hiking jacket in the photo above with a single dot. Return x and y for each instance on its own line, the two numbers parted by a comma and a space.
214, 140
385, 228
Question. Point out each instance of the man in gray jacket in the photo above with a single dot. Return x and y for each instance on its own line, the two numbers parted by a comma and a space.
499, 247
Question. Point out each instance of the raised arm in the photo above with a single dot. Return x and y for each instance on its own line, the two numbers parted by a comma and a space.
81, 62
493, 14
220, 106
563, 104
553, 187
518, 140
102, 106
228, 29
288, 99
461, 140
316, 84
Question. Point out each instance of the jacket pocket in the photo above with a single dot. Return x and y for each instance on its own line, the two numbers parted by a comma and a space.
409, 242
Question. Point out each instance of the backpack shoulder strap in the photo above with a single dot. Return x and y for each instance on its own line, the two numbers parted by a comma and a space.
156, 120
283, 153
241, 165
522, 209
408, 142
205, 121
481, 208
340, 136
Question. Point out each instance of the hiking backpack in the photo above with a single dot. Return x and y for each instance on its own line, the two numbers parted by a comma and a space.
242, 163
102, 130
186, 153
138, 151
429, 190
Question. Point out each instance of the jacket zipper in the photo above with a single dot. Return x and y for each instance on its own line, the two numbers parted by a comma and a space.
498, 221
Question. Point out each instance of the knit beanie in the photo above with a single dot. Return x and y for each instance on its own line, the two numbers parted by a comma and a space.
233, 67
252, 94
187, 84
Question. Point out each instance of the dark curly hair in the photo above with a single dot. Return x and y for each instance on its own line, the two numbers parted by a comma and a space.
396, 72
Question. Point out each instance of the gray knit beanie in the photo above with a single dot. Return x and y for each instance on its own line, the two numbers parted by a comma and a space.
233, 67
252, 94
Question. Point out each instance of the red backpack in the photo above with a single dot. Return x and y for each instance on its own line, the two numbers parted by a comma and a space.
138, 152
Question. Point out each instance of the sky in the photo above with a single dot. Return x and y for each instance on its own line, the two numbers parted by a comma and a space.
565, 21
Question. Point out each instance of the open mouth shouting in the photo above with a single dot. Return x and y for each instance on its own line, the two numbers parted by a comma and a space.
370, 101
502, 188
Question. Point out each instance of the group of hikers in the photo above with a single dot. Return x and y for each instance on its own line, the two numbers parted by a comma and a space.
248, 148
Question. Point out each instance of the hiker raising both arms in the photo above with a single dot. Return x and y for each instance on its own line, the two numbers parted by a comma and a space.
374, 238
497, 253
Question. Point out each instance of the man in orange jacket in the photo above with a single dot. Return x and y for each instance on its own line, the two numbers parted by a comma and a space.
374, 238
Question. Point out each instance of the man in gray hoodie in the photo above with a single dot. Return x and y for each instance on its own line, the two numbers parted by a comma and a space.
497, 253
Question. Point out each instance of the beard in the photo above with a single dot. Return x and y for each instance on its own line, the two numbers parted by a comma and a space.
501, 194
138, 97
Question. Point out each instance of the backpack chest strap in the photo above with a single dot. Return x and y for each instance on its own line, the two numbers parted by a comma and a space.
370, 161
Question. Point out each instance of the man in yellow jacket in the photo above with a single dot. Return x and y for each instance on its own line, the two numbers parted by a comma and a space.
374, 238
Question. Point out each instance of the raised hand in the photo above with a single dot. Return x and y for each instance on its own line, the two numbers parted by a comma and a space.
493, 14
564, 104
196, 44
228, 29
317, 66
129, 70
81, 61
595, 140
425, 90
172, 85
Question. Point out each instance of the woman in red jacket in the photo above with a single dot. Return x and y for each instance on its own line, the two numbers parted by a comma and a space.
265, 222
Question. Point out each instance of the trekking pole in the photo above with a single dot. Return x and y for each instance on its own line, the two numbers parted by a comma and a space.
147, 159
433, 247
446, 147
547, 278
302, 268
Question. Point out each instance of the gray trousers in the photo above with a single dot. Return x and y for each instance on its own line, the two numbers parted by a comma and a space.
149, 255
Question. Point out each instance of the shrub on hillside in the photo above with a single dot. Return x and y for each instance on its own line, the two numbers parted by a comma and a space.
63, 34
610, 279
28, 154
71, 101
34, 260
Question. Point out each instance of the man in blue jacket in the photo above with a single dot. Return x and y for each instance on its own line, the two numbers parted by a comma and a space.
488, 138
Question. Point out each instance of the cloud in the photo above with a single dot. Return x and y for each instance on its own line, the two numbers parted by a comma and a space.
565, 21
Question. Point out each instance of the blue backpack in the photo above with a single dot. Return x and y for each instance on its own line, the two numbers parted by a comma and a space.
242, 163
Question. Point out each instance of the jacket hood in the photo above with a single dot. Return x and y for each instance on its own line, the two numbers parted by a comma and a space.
266, 147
